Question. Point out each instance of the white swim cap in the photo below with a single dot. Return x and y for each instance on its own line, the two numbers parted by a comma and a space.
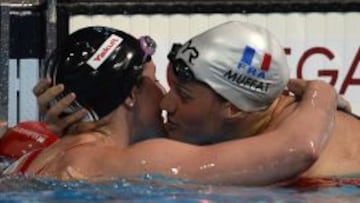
242, 62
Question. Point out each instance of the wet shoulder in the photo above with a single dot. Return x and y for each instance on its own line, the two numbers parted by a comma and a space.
63, 147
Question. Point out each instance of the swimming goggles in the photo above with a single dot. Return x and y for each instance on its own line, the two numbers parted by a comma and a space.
179, 67
148, 45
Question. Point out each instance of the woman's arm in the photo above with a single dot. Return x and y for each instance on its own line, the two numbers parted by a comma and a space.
268, 158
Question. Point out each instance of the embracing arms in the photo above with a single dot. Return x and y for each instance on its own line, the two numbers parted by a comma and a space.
268, 158
275, 156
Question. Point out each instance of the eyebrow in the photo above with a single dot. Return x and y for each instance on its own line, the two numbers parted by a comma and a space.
181, 86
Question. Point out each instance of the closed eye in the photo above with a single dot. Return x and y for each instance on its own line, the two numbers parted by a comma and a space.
183, 94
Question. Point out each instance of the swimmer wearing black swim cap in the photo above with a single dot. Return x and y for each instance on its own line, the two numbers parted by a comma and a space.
100, 65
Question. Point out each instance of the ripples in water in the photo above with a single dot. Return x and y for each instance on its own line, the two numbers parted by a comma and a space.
160, 189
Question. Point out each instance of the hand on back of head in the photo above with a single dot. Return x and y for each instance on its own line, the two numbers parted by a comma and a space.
298, 86
59, 125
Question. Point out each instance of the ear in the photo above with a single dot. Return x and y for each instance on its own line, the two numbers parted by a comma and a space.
231, 112
131, 99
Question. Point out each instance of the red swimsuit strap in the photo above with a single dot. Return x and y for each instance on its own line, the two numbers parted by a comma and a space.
324, 182
31, 156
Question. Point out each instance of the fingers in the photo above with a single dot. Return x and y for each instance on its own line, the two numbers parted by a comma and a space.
343, 104
45, 97
297, 86
58, 125
305, 88
53, 115
59, 107
41, 86
74, 118
81, 127
87, 126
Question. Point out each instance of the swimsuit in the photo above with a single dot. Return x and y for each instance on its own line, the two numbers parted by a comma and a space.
323, 182
22, 164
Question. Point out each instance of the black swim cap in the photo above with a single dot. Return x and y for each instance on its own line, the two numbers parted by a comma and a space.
100, 65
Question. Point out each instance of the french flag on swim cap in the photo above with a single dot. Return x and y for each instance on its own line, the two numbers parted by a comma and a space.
248, 57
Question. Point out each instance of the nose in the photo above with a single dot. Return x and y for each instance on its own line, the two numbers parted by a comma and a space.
168, 103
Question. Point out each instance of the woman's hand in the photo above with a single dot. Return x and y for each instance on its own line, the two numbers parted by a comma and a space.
59, 125
297, 87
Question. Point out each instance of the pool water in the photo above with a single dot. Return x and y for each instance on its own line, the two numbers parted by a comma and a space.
160, 189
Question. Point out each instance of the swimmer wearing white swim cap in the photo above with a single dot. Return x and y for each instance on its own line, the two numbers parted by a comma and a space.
227, 83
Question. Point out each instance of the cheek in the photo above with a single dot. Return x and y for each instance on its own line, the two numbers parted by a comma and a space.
201, 119
195, 117
151, 100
